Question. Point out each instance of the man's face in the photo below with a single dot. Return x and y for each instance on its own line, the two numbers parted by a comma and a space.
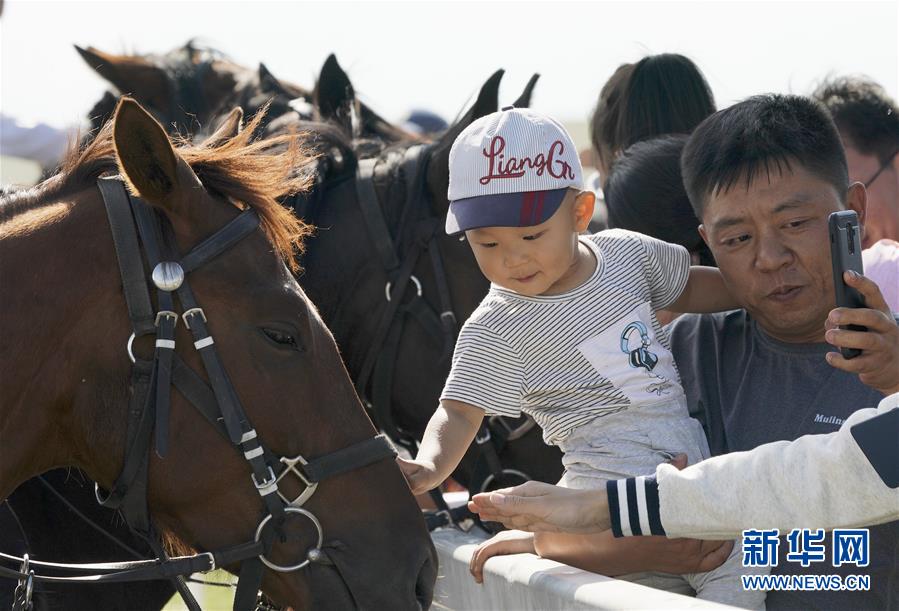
530, 260
772, 247
883, 194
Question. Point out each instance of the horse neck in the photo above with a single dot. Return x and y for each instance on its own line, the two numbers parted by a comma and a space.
62, 323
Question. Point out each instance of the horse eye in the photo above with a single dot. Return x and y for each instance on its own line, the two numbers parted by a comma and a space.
281, 338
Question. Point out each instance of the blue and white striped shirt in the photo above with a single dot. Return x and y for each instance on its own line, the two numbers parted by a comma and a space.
567, 359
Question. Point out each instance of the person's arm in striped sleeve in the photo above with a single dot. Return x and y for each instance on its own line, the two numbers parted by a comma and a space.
817, 481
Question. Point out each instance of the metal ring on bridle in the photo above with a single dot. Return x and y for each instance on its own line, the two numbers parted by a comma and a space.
295, 567
414, 281
489, 479
131, 348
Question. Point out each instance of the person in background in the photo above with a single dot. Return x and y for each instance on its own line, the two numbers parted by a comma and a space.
868, 122
645, 193
658, 95
422, 122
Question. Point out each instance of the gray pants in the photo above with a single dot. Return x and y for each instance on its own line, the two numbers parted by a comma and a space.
634, 442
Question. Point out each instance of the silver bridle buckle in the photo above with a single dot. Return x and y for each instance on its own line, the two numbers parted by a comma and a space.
190, 312
212, 566
290, 467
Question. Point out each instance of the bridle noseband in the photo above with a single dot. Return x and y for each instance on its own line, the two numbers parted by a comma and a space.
149, 406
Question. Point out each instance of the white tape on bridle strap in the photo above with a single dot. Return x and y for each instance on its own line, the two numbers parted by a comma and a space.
203, 343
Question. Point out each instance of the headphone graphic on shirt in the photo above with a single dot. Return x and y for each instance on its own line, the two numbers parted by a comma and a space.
640, 357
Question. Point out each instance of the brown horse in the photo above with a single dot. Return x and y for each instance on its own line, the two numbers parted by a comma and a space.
65, 377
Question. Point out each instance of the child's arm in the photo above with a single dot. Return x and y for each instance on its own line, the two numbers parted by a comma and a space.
449, 433
704, 292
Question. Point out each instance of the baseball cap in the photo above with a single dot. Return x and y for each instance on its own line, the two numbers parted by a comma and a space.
510, 168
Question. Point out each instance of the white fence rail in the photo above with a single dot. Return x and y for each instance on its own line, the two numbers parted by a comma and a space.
524, 581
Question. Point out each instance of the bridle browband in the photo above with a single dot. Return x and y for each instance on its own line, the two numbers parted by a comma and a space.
148, 410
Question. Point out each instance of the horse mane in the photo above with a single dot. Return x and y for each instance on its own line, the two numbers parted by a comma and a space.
249, 172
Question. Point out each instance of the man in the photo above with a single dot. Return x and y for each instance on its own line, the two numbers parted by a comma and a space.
763, 176
868, 122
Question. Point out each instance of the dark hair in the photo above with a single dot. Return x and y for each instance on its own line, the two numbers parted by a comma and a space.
759, 135
645, 193
604, 120
660, 94
863, 112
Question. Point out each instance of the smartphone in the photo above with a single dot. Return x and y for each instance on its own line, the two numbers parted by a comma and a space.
846, 255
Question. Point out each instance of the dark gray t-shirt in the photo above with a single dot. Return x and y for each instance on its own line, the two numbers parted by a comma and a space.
749, 389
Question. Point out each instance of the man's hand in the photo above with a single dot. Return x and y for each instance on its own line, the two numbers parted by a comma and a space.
501, 544
878, 364
420, 475
535, 506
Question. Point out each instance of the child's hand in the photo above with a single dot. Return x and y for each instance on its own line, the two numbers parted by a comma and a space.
501, 544
421, 476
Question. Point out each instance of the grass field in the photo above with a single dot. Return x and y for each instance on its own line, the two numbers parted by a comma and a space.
211, 598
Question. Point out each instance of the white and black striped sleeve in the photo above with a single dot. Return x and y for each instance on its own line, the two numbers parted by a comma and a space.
667, 271
486, 372
634, 506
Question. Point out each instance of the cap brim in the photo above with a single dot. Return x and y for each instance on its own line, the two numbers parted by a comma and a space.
503, 210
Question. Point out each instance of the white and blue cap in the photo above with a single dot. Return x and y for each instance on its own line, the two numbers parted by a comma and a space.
510, 168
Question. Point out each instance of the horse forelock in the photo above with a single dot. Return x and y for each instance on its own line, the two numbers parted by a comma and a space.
250, 173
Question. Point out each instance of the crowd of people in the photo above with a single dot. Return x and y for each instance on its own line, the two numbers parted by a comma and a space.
710, 299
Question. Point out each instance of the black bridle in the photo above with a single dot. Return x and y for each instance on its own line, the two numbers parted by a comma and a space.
148, 410
416, 236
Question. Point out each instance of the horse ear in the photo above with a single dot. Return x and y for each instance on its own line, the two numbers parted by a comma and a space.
524, 100
229, 127
438, 169
128, 74
146, 159
334, 94
269, 83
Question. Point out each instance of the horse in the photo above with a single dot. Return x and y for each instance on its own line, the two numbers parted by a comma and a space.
68, 381
189, 87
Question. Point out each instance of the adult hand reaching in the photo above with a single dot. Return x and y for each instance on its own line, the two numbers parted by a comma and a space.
536, 507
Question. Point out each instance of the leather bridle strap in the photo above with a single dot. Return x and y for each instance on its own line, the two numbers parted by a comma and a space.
131, 267
138, 570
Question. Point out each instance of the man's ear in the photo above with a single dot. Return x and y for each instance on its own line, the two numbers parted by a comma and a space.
583, 210
705, 236
857, 199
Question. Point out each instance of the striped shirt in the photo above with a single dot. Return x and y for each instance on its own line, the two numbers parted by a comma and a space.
569, 358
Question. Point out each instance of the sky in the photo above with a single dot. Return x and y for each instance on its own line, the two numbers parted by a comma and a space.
435, 55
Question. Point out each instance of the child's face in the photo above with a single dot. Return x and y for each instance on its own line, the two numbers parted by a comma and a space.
534, 260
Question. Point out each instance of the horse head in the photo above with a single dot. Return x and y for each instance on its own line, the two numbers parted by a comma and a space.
67, 384
186, 88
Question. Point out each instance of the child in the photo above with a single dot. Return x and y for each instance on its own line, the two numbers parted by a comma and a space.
567, 332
